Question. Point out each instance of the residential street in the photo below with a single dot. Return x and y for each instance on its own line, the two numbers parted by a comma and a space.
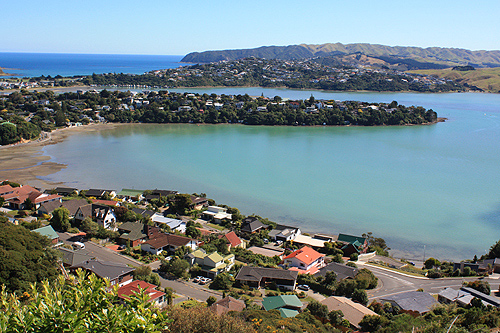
185, 290
391, 283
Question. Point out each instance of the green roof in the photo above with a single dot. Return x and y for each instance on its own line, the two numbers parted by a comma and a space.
287, 313
199, 254
276, 302
47, 231
351, 239
126, 192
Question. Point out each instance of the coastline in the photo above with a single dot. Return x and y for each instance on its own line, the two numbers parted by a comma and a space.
25, 162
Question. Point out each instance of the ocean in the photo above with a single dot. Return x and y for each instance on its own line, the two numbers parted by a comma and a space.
69, 64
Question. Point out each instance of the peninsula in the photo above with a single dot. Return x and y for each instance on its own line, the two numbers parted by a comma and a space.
25, 115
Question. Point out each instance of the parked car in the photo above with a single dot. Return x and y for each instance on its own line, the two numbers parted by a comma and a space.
205, 280
122, 247
198, 279
303, 287
78, 246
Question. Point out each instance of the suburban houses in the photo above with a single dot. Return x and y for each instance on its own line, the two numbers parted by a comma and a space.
276, 266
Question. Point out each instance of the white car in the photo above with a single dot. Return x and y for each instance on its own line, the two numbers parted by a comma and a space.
198, 279
205, 280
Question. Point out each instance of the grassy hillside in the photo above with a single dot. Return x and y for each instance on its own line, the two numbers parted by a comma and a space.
488, 79
435, 55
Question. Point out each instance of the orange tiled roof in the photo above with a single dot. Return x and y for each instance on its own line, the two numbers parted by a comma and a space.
306, 254
233, 239
133, 287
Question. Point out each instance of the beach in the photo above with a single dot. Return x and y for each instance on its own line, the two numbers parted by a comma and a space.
25, 163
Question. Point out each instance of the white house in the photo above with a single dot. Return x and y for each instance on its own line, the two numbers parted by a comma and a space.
217, 214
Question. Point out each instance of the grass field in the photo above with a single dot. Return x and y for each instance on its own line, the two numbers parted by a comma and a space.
488, 79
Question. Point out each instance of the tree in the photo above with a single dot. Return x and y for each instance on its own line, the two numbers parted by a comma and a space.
25, 257
371, 323
360, 296
479, 285
336, 317
89, 226
82, 304
192, 232
8, 134
223, 281
211, 300
144, 273
182, 203
177, 267
318, 309
60, 219
494, 251
431, 262
60, 118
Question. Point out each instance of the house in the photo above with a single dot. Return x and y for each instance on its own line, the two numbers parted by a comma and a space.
251, 225
211, 264
309, 241
267, 251
487, 299
228, 304
66, 191
353, 312
353, 244
155, 296
284, 233
132, 233
17, 198
198, 202
103, 215
111, 203
450, 295
173, 224
417, 301
167, 242
98, 193
216, 214
143, 212
157, 194
130, 194
342, 271
291, 303
71, 205
259, 277
305, 260
117, 274
72, 257
49, 232
5, 190
233, 240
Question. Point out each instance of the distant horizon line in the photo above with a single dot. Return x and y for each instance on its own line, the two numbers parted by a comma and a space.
80, 53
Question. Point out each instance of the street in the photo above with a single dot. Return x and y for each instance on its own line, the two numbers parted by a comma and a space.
391, 283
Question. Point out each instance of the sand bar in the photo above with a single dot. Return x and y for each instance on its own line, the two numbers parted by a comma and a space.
24, 163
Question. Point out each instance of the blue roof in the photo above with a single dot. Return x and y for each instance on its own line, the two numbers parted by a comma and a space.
47, 231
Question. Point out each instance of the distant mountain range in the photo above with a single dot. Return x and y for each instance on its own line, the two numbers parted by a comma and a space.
411, 57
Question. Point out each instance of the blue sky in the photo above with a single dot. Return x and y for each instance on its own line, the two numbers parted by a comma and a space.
180, 27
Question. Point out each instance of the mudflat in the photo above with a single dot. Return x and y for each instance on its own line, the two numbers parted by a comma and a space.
25, 162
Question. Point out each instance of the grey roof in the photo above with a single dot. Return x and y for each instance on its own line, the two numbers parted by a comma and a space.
95, 193
73, 205
482, 296
50, 206
419, 301
248, 273
65, 190
452, 294
342, 271
253, 226
70, 257
143, 212
104, 269
132, 231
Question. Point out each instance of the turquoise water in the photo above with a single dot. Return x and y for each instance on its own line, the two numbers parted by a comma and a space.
435, 185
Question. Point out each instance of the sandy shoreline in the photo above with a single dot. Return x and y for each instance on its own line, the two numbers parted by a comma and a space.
25, 162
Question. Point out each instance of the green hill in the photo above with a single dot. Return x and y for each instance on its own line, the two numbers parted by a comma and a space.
446, 57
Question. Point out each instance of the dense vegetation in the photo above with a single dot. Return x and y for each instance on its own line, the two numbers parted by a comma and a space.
25, 257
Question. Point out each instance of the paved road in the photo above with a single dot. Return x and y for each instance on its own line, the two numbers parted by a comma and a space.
391, 283
100, 252
185, 289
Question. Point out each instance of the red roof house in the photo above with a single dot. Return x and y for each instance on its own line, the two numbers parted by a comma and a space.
233, 240
132, 288
305, 260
